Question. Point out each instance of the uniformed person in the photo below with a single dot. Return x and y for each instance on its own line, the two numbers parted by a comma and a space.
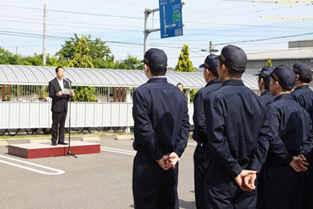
288, 130
234, 116
161, 132
267, 98
264, 85
304, 96
199, 134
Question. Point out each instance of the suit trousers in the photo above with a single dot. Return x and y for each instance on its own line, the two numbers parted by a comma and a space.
58, 123
153, 187
222, 192
200, 169
283, 187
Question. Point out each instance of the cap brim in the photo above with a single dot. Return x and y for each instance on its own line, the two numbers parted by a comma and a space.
201, 66
257, 74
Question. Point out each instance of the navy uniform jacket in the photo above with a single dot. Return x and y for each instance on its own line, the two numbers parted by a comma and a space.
59, 103
287, 129
266, 97
304, 96
236, 117
161, 118
199, 133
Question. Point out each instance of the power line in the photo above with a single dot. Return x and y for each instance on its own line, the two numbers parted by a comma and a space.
80, 13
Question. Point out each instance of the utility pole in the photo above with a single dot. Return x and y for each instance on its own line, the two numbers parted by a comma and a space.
211, 50
44, 35
147, 31
16, 50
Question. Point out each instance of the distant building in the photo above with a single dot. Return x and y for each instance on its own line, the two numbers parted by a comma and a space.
298, 51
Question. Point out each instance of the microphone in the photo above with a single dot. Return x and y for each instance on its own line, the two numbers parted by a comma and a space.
69, 80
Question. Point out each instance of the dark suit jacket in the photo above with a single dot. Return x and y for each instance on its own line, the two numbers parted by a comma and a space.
59, 103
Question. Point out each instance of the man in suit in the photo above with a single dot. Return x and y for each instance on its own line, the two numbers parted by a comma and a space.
161, 131
59, 105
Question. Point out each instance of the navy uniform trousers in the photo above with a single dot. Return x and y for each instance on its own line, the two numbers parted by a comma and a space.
224, 192
279, 194
200, 135
149, 180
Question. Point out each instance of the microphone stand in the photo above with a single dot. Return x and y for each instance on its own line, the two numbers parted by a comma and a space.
69, 120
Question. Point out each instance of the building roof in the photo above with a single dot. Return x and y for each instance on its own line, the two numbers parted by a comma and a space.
41, 75
291, 53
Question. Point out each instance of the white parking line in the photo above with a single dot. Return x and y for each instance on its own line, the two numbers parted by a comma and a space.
58, 172
120, 151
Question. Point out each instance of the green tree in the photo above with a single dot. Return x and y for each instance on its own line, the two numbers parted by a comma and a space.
97, 48
269, 62
184, 63
130, 63
82, 59
8, 58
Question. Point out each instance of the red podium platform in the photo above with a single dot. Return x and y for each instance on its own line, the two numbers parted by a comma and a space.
45, 149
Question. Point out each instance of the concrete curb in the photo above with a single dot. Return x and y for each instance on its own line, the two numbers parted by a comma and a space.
3, 143
124, 137
91, 139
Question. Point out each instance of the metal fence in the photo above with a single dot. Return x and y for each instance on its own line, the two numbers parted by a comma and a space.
29, 115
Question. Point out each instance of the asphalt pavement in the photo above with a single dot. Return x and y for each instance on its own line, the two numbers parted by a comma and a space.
89, 181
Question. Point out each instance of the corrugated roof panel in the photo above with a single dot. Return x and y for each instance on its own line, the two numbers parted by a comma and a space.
193, 80
3, 76
138, 77
75, 75
93, 76
102, 76
126, 75
113, 78
86, 76
33, 75
37, 72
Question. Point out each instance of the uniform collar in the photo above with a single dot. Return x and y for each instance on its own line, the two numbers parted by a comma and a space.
157, 80
266, 93
302, 87
233, 82
283, 97
216, 80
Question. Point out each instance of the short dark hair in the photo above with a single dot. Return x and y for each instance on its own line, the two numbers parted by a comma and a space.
233, 72
158, 69
57, 69
266, 81
306, 78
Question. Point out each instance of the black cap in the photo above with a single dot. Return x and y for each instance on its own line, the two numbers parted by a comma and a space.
233, 57
155, 57
265, 71
210, 63
302, 69
285, 77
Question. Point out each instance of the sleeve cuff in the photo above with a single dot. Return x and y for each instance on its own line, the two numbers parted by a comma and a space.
288, 159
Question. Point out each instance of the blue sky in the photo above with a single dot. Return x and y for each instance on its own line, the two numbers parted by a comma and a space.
120, 24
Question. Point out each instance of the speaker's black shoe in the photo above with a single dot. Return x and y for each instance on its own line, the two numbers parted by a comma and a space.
64, 143
54, 144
